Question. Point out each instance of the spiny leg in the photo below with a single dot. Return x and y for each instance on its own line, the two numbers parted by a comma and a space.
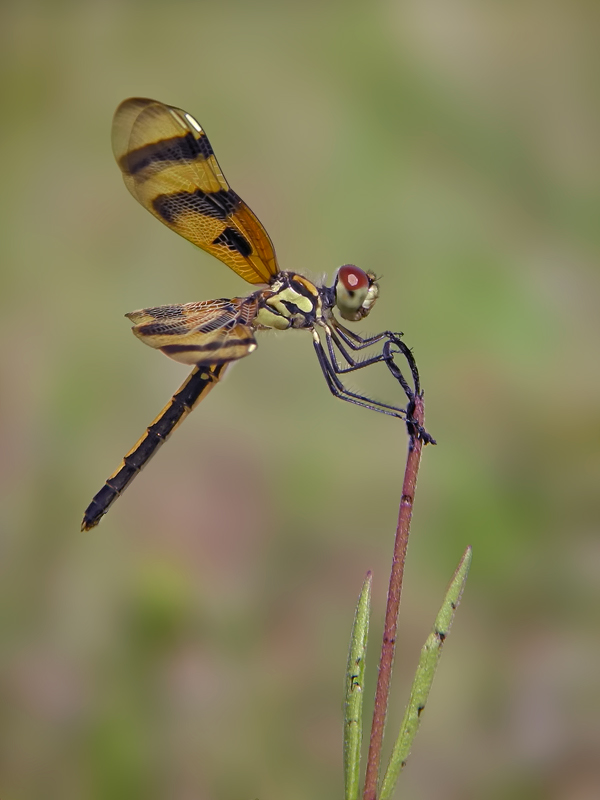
190, 393
413, 426
331, 369
386, 355
337, 388
352, 363
408, 355
357, 342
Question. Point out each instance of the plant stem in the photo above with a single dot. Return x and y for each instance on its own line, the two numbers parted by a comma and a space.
393, 605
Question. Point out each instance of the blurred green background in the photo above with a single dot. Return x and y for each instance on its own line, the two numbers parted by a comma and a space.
194, 645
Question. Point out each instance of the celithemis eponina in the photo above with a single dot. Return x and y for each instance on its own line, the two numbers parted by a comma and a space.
169, 166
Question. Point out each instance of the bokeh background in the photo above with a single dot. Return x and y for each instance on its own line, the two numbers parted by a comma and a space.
194, 645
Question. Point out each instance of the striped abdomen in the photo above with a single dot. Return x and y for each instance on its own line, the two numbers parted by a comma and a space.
195, 388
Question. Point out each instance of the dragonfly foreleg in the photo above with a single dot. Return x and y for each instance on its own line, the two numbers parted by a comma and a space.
357, 342
337, 388
335, 336
414, 428
332, 369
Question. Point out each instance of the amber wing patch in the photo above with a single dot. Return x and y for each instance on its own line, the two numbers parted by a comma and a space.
169, 166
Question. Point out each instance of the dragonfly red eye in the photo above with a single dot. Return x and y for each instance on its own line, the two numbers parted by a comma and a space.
353, 277
355, 292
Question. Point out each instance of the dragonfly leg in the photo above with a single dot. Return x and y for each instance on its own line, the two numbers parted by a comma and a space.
334, 337
337, 388
357, 342
332, 369
413, 426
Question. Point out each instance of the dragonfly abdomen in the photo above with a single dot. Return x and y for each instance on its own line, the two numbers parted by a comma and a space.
195, 388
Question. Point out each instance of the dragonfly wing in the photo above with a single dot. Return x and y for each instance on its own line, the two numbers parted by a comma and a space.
208, 332
169, 166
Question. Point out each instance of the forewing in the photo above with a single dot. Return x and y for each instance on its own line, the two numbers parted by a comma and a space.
209, 332
169, 166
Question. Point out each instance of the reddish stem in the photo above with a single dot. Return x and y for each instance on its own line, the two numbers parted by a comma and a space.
393, 605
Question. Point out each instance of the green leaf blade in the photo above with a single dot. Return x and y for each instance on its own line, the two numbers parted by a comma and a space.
353, 705
430, 655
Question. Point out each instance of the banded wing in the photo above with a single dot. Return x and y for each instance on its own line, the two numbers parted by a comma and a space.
169, 166
208, 332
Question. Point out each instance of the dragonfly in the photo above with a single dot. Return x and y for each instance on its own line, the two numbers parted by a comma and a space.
169, 166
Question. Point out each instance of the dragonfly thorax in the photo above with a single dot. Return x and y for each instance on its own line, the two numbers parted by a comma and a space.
292, 301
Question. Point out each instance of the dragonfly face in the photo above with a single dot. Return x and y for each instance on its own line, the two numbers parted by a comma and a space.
169, 166
355, 292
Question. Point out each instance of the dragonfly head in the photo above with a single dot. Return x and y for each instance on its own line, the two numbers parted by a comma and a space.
355, 292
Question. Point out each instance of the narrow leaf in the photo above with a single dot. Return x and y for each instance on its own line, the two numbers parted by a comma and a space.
428, 662
355, 675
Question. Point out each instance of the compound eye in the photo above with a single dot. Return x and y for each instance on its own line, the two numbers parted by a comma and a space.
355, 292
353, 278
